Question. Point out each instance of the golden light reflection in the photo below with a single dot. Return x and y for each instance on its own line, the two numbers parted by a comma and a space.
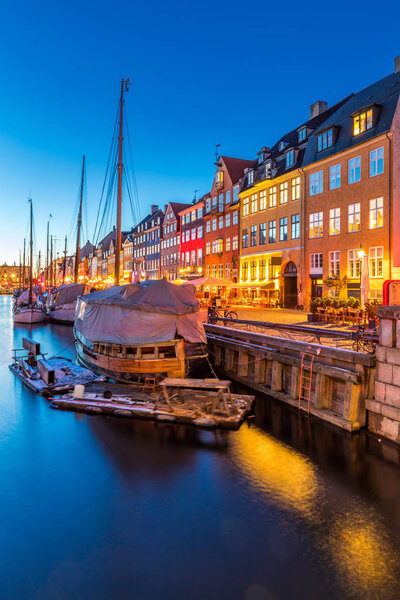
278, 470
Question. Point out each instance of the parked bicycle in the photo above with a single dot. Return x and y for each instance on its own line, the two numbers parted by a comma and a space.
214, 314
364, 339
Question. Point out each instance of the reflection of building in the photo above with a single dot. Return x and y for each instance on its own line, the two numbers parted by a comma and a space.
271, 205
192, 240
221, 217
10, 275
170, 242
352, 170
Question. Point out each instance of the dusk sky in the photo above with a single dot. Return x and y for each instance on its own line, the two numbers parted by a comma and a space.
203, 73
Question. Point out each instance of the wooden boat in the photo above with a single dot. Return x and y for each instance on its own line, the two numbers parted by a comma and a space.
47, 375
152, 328
25, 308
61, 303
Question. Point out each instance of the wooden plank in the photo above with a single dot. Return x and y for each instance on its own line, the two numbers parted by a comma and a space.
31, 345
46, 372
216, 384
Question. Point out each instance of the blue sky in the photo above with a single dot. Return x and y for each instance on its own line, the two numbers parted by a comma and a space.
203, 73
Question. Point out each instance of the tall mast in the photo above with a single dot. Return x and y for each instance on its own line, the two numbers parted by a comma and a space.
20, 269
51, 260
39, 261
47, 255
65, 260
30, 254
78, 233
23, 268
124, 88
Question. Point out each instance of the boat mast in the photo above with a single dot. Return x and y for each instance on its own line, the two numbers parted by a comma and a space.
23, 268
65, 260
51, 261
47, 255
78, 233
124, 88
20, 269
30, 253
39, 265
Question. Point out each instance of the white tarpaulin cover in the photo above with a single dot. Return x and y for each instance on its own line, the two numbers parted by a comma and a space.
23, 298
142, 313
67, 293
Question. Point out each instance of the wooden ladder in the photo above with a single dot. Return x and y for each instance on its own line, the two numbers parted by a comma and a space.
306, 372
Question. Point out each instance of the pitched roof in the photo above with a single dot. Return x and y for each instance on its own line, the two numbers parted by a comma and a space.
236, 166
383, 93
178, 206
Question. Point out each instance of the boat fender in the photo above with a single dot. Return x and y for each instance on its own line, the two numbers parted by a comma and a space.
166, 418
107, 394
203, 422
122, 413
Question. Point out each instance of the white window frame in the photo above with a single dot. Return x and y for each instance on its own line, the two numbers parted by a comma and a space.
316, 225
352, 211
316, 183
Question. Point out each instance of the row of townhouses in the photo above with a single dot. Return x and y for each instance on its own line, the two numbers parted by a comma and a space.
291, 225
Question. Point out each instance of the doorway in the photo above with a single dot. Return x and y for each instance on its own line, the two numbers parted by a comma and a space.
290, 285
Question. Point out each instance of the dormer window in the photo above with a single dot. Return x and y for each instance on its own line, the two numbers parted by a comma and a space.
250, 177
362, 121
302, 134
219, 179
260, 158
325, 139
290, 159
282, 146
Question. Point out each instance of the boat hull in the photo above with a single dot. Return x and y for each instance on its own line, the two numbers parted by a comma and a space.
29, 315
188, 360
62, 315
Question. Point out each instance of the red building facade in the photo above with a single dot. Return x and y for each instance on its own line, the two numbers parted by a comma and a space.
192, 240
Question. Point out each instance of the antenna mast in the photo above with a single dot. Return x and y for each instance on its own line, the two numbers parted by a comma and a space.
124, 88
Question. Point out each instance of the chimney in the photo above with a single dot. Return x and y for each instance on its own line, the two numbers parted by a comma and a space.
397, 64
153, 208
317, 108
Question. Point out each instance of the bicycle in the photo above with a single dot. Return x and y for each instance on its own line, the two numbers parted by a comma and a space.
215, 315
364, 340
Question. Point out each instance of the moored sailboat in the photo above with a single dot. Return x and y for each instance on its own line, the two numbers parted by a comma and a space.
25, 308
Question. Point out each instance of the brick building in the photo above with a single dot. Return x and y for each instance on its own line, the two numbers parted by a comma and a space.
192, 240
170, 241
146, 246
221, 217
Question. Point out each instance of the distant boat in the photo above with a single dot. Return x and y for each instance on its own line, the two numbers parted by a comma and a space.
151, 328
61, 303
25, 308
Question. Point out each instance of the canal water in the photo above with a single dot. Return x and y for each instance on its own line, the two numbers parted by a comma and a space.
106, 508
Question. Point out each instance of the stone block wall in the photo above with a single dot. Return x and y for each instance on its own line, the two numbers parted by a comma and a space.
384, 410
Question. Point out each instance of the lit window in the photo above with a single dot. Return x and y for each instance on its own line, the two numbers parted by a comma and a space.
235, 242
245, 270
354, 222
250, 178
262, 271
235, 217
245, 238
283, 193
272, 232
272, 196
290, 159
353, 268
254, 203
228, 245
316, 225
263, 233
316, 183
220, 271
325, 140
334, 221
263, 199
253, 270
228, 220
295, 227
253, 235
334, 177
362, 122
214, 270
208, 271
283, 229
296, 188
376, 261
334, 263
193, 215
316, 261
227, 271
245, 210
376, 213
376, 162
355, 169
